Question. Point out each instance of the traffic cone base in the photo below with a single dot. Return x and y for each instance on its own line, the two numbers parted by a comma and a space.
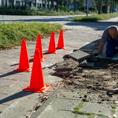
35, 90
61, 48
27, 70
42, 59
51, 52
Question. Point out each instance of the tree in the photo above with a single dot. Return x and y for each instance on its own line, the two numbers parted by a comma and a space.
106, 6
11, 3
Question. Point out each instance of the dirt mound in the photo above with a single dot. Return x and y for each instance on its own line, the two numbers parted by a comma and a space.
90, 78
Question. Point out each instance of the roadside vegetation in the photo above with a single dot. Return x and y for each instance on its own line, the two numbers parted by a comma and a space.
95, 17
35, 12
11, 34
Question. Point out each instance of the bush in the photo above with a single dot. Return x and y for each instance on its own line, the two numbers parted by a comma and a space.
24, 11
87, 19
11, 34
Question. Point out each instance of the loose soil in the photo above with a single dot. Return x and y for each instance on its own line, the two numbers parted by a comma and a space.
94, 79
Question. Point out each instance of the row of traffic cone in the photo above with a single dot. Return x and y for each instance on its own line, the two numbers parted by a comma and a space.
52, 48
24, 61
37, 79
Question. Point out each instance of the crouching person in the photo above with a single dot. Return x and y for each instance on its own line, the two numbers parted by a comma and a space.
108, 44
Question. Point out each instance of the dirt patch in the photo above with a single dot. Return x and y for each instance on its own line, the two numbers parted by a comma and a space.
94, 77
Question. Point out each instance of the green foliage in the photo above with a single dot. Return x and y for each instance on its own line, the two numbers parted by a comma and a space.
87, 19
11, 34
79, 107
41, 12
95, 17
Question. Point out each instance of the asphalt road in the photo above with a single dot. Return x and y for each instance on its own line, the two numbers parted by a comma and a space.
64, 20
11, 18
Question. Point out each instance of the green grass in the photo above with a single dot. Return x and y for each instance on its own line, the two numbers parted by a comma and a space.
54, 13
11, 34
79, 107
95, 17
77, 110
114, 107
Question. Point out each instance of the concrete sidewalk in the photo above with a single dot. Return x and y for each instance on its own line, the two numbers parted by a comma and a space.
64, 102
112, 20
14, 102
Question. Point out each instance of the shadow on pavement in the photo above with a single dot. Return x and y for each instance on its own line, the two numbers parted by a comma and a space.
9, 73
31, 59
14, 64
94, 25
41, 20
15, 96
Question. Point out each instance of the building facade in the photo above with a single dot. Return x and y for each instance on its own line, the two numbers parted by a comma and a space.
20, 3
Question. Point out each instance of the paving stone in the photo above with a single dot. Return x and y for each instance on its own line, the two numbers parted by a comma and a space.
78, 55
102, 109
20, 107
51, 79
2, 108
6, 83
116, 112
63, 106
70, 95
60, 108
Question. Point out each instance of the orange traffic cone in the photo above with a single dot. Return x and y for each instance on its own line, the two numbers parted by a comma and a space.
24, 61
37, 78
60, 44
39, 46
52, 48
